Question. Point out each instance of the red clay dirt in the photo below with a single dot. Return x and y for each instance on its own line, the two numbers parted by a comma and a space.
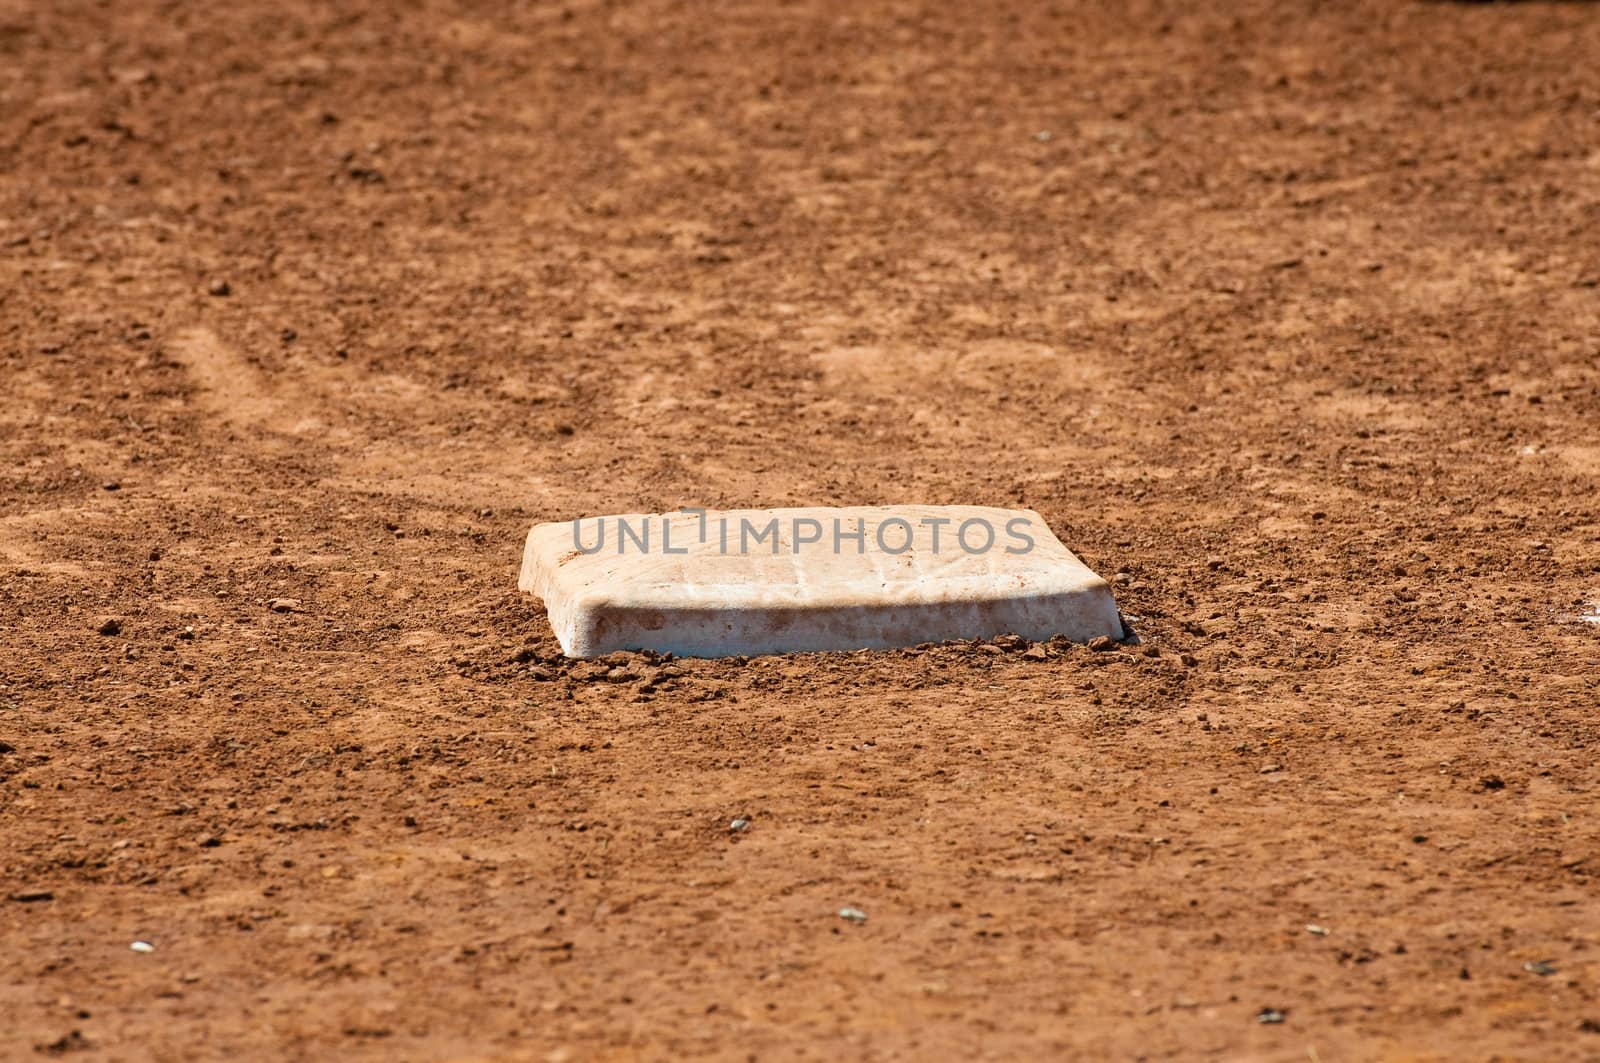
1285, 316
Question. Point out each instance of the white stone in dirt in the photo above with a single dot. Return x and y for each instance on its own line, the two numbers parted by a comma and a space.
746, 582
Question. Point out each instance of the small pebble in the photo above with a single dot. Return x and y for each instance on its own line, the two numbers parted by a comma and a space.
739, 825
220, 288
853, 915
1271, 1016
142, 946
284, 605
110, 626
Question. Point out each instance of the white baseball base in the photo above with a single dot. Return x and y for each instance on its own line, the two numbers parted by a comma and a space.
726, 583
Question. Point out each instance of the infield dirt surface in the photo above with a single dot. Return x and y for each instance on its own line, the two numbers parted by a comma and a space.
1285, 317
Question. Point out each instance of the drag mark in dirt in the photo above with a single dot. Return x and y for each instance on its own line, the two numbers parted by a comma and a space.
384, 433
296, 402
231, 389
20, 552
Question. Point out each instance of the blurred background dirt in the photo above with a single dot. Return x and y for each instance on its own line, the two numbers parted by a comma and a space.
1285, 316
